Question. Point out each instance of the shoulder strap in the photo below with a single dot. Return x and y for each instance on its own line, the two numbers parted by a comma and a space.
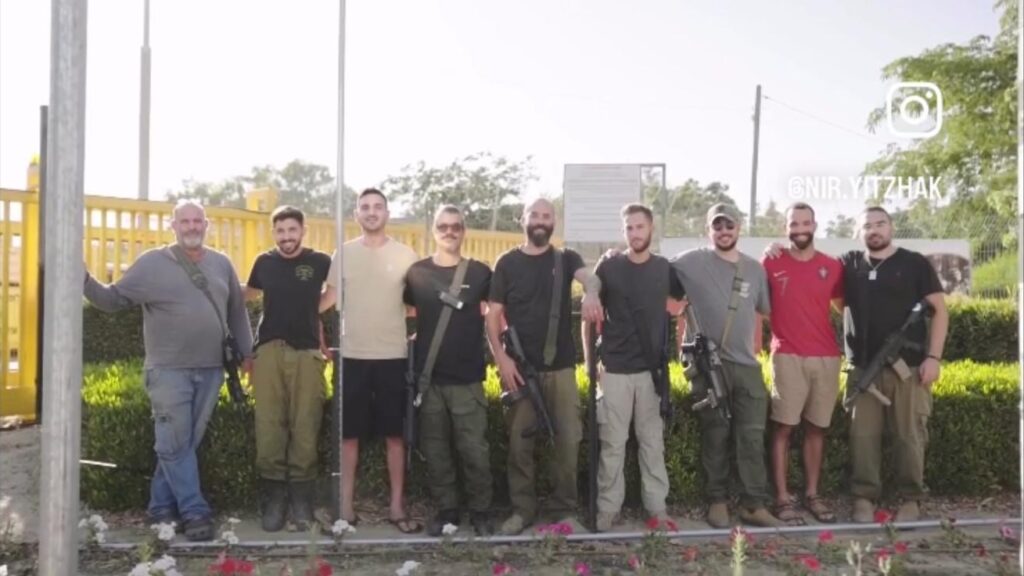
199, 280
551, 339
442, 326
734, 300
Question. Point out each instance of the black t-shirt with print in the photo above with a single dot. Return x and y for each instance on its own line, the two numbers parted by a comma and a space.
291, 296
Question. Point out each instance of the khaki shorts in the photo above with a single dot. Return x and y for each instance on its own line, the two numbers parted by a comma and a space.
804, 386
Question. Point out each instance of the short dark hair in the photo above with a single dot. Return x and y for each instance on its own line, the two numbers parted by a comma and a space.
287, 212
878, 209
800, 206
449, 209
630, 209
369, 191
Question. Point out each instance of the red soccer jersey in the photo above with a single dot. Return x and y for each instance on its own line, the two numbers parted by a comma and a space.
801, 294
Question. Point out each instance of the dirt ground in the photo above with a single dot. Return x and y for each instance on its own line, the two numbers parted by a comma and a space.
982, 550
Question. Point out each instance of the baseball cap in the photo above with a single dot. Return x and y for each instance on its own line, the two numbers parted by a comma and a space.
722, 210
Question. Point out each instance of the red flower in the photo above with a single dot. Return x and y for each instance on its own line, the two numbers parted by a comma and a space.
825, 537
690, 554
883, 554
811, 563
883, 516
900, 547
634, 562
982, 551
672, 526
652, 523
501, 569
581, 569
230, 566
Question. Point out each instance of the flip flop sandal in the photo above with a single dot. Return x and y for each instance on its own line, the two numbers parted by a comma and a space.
817, 507
406, 525
788, 514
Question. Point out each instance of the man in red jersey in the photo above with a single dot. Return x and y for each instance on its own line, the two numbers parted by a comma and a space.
805, 357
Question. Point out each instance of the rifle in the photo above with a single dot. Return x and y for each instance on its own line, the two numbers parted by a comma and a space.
531, 387
232, 362
700, 359
593, 439
411, 393
661, 380
887, 355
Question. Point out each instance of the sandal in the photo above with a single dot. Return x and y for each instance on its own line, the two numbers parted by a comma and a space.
788, 514
406, 525
817, 507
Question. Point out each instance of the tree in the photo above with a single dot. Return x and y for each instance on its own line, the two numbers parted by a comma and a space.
771, 224
687, 205
975, 153
841, 227
487, 188
307, 186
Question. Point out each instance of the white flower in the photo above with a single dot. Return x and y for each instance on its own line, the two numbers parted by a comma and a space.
100, 537
342, 527
407, 568
3, 570
234, 521
229, 537
165, 563
164, 532
141, 569
97, 522
83, 523
449, 529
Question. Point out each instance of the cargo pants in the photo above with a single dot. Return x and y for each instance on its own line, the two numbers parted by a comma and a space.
906, 419
742, 436
562, 400
456, 414
288, 386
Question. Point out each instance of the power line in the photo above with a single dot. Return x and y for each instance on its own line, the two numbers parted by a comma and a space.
824, 121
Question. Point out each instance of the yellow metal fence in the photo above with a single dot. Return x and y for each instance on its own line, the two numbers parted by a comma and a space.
117, 231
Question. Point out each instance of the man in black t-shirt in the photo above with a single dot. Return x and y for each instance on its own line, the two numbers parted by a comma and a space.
453, 408
521, 295
288, 370
635, 287
881, 286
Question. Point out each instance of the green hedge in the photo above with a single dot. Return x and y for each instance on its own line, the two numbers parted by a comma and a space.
984, 330
974, 443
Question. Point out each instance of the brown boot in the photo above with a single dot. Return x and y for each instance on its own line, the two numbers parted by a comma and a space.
760, 517
718, 515
909, 511
863, 511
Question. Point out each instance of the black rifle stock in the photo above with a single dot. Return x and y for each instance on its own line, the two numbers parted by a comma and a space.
661, 379
531, 387
886, 355
593, 439
700, 359
411, 393
232, 362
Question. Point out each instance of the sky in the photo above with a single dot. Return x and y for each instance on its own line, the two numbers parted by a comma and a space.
237, 84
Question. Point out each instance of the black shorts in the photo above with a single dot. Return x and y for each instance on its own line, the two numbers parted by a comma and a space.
373, 400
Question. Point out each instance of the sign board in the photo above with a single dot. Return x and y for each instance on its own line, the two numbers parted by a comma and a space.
594, 194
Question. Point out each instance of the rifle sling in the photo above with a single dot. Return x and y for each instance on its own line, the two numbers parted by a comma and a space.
439, 331
199, 281
551, 339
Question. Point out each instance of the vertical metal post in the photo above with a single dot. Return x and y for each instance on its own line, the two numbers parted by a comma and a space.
1020, 240
339, 227
144, 110
44, 112
62, 353
753, 169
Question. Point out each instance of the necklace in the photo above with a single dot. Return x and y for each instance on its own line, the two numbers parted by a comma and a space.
873, 274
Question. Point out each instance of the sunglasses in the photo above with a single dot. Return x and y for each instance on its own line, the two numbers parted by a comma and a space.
719, 225
450, 227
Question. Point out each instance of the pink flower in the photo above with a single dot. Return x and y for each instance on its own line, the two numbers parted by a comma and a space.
1007, 533
883, 516
635, 563
811, 563
581, 569
900, 547
652, 523
672, 526
564, 529
825, 537
883, 554
501, 569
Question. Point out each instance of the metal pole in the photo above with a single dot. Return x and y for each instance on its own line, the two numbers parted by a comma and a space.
339, 230
44, 112
144, 110
753, 169
62, 353
1020, 240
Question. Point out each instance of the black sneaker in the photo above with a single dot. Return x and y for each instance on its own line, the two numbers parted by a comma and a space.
199, 529
482, 523
436, 526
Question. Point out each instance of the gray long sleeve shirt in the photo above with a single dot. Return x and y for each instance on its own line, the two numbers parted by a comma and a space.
180, 328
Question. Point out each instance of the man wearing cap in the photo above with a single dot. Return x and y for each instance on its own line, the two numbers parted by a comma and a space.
727, 289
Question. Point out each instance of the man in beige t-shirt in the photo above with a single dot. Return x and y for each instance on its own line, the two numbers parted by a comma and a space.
373, 349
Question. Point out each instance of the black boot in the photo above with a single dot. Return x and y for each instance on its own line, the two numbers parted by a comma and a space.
275, 505
436, 526
481, 522
300, 496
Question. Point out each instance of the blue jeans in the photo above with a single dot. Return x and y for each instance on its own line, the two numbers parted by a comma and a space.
183, 401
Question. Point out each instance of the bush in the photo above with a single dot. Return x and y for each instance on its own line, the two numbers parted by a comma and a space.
973, 447
998, 276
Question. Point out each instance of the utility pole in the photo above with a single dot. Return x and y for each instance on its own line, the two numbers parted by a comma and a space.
62, 327
753, 169
339, 231
144, 110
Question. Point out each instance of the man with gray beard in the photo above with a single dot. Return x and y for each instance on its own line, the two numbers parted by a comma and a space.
184, 364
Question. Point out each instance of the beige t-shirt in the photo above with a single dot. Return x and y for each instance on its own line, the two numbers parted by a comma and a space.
374, 319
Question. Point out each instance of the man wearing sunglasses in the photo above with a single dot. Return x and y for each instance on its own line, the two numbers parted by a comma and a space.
727, 289
450, 295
